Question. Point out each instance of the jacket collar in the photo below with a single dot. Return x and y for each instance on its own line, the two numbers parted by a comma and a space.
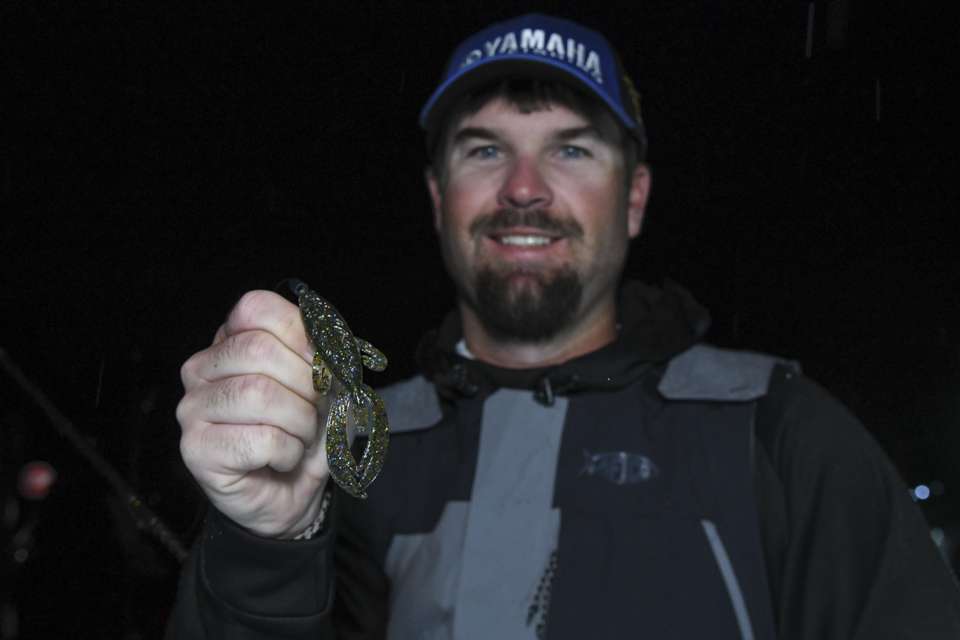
655, 324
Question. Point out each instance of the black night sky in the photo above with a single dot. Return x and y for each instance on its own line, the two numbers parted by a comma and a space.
158, 161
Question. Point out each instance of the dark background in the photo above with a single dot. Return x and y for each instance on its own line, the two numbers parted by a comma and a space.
159, 161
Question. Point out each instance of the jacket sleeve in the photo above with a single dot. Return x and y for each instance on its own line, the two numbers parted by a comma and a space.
849, 554
239, 586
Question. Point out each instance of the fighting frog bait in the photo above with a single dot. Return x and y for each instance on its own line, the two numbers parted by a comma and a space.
338, 364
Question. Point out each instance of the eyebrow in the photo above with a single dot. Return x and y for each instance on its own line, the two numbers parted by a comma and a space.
468, 133
588, 131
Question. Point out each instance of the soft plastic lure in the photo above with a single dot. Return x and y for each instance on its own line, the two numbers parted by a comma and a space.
338, 365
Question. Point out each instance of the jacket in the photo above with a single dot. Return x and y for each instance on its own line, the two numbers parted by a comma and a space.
658, 485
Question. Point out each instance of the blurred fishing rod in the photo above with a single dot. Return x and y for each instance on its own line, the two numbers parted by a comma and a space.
146, 519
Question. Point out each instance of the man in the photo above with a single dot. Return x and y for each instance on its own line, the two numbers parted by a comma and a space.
573, 462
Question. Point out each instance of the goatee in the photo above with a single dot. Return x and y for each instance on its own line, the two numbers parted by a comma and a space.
531, 311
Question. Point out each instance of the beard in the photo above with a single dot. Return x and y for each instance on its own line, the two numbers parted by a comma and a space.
517, 303
535, 310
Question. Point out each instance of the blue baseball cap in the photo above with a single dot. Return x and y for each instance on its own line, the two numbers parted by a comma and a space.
538, 46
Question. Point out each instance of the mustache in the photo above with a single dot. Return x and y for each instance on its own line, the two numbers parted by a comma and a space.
542, 219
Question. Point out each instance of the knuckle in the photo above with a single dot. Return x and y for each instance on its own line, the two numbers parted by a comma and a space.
257, 448
292, 324
250, 306
190, 450
188, 370
272, 440
183, 413
243, 451
249, 393
257, 388
256, 345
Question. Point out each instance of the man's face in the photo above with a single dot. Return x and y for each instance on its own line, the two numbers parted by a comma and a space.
534, 216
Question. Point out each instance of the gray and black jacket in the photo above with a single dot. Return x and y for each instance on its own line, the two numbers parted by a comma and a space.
656, 488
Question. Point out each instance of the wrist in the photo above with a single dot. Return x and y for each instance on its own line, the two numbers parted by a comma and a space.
318, 525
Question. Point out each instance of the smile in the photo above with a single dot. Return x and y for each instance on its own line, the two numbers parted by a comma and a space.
524, 240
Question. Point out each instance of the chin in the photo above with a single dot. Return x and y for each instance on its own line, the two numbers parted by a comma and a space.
527, 306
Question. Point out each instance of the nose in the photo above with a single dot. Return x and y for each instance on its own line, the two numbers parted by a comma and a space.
524, 186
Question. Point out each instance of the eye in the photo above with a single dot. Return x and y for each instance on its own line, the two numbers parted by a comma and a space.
573, 151
485, 152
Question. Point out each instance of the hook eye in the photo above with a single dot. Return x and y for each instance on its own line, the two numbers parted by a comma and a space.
291, 285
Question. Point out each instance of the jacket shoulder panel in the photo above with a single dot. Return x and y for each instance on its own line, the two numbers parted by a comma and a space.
411, 405
704, 372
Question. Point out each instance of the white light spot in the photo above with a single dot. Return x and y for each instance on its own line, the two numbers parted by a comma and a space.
921, 492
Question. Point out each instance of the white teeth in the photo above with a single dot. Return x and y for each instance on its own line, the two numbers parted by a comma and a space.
524, 241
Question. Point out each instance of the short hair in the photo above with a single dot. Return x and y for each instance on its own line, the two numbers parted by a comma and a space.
528, 95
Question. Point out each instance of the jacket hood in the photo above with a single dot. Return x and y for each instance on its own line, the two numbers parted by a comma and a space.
655, 324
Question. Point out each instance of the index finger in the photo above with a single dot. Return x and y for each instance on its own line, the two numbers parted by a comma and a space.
270, 312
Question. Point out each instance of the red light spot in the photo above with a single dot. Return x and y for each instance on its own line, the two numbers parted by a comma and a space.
36, 479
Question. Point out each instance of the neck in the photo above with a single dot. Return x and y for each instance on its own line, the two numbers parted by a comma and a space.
591, 332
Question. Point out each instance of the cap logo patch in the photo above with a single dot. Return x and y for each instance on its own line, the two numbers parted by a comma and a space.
537, 42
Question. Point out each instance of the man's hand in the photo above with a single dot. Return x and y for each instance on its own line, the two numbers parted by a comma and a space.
251, 430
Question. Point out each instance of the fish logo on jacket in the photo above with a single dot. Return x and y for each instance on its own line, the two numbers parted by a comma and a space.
619, 467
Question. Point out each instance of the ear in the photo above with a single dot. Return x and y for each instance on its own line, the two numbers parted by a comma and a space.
436, 199
637, 198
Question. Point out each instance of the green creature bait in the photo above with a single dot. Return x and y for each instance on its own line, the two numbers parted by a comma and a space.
338, 365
